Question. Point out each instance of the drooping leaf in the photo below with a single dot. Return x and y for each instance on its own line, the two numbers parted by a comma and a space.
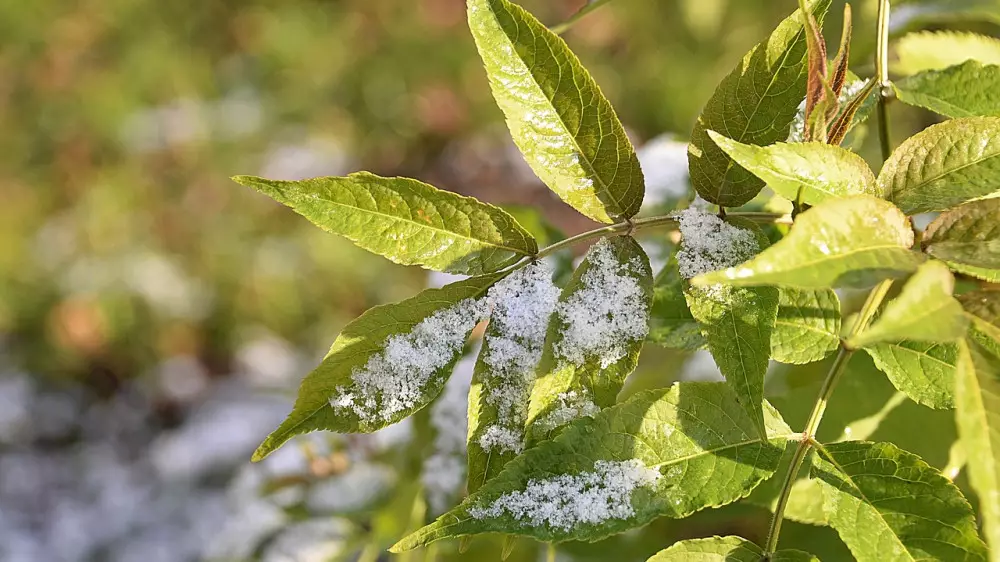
807, 328
925, 310
966, 90
737, 323
967, 236
984, 308
565, 127
725, 549
685, 448
944, 165
754, 104
405, 220
937, 50
888, 505
977, 412
851, 242
821, 171
924, 371
670, 321
595, 336
364, 340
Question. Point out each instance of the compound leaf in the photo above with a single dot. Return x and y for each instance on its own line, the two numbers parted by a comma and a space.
565, 127
405, 220
889, 506
754, 104
852, 242
662, 453
944, 165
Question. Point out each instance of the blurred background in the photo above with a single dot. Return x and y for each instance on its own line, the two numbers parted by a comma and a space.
156, 318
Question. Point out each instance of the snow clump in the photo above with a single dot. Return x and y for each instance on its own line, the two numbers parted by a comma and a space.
711, 244
565, 501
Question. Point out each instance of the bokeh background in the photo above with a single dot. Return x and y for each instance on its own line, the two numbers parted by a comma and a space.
156, 318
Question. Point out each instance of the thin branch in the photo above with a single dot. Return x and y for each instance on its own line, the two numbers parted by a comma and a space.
590, 6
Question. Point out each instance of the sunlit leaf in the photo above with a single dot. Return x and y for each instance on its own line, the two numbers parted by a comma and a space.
937, 50
967, 90
977, 411
565, 127
851, 242
725, 549
405, 220
967, 236
888, 505
924, 371
925, 310
820, 170
754, 104
944, 165
685, 448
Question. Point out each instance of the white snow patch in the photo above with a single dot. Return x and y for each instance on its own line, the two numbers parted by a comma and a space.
522, 304
568, 500
710, 244
572, 405
664, 163
606, 313
502, 438
394, 379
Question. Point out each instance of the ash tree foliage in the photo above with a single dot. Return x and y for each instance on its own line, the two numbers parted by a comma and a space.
556, 450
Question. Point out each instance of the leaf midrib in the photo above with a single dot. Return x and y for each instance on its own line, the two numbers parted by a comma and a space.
423, 225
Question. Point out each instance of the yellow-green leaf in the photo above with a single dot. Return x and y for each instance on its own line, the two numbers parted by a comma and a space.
924, 371
944, 165
405, 220
967, 236
852, 242
725, 549
966, 90
822, 171
937, 50
807, 327
924, 311
565, 127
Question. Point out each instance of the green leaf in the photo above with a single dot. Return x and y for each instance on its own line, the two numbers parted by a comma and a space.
977, 412
925, 310
887, 505
968, 235
937, 50
365, 339
807, 328
405, 220
966, 90
851, 242
924, 371
565, 127
725, 549
737, 322
945, 165
594, 337
821, 171
984, 306
670, 321
754, 104
705, 449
